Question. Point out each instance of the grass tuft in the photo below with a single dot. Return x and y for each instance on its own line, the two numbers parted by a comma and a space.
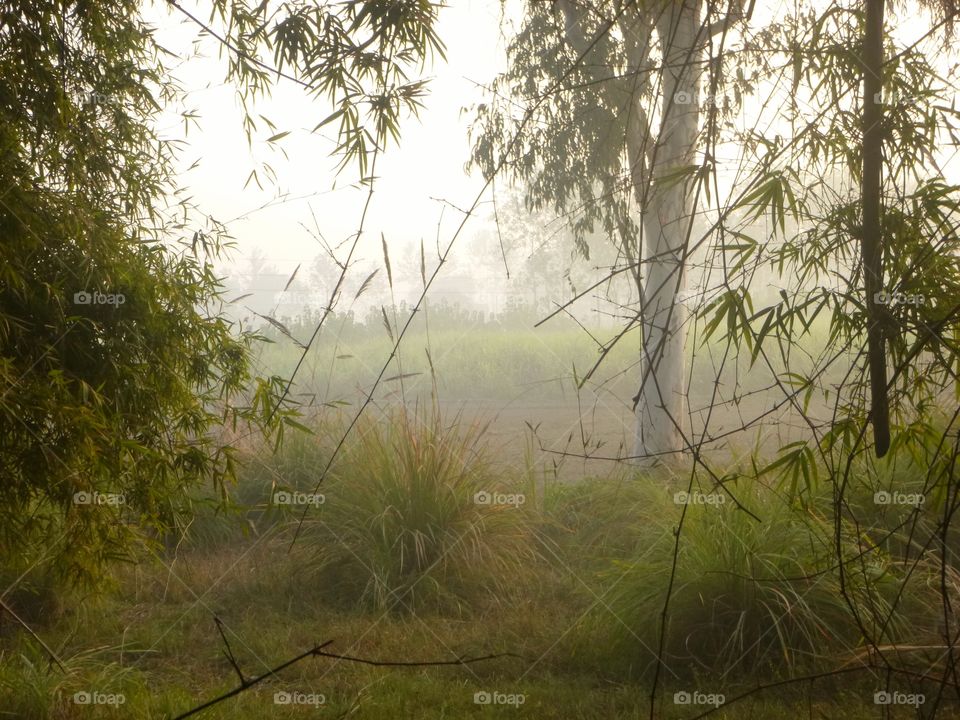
405, 523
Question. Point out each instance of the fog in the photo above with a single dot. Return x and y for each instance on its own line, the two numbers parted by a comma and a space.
424, 441
287, 206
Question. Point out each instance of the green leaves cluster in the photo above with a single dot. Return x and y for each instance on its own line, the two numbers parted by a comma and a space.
359, 55
570, 154
807, 185
120, 376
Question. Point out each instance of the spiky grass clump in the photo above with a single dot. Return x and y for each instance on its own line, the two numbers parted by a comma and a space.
601, 519
745, 594
33, 688
405, 524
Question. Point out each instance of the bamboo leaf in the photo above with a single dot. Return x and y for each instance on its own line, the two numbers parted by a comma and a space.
423, 264
330, 118
402, 376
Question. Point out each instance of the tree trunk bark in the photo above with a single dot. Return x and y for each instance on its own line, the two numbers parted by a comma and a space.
871, 247
667, 207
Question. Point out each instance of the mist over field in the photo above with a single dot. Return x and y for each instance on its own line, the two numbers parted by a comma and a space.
536, 358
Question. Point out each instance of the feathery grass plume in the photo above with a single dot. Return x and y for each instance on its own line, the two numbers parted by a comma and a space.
415, 514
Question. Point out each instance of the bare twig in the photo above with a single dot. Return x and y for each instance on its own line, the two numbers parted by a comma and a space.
318, 651
229, 651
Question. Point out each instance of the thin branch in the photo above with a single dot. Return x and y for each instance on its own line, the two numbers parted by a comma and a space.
229, 651
318, 651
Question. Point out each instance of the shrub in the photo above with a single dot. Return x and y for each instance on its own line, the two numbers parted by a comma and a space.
32, 688
746, 593
402, 524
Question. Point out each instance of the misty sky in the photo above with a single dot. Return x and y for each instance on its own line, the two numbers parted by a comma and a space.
426, 168
429, 163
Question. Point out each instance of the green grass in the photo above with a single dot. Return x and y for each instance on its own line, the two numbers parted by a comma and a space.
400, 563
752, 594
475, 359
187, 666
170, 658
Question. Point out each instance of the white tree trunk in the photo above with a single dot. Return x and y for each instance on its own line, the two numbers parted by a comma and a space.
667, 213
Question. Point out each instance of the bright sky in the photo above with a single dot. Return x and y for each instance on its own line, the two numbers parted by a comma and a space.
427, 165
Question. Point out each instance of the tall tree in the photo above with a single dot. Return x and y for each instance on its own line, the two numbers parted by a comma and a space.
629, 116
